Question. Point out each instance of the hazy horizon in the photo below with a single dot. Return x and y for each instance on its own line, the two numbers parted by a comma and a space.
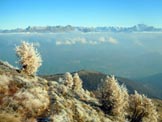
81, 26
129, 55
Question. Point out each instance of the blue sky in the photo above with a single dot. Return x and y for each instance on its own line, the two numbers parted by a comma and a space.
23, 13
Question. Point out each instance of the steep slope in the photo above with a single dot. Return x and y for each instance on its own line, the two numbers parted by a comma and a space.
25, 98
33, 99
91, 79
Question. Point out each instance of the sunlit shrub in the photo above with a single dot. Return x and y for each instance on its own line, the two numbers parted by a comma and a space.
30, 59
114, 98
142, 109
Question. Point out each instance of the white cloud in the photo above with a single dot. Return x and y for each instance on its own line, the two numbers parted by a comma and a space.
112, 40
59, 43
102, 39
72, 41
93, 42
83, 40
66, 42
109, 40
69, 42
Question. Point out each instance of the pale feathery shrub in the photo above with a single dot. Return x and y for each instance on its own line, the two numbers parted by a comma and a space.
61, 117
61, 80
7, 86
30, 59
9, 117
4, 84
26, 98
19, 95
34, 100
142, 109
85, 113
77, 82
62, 89
114, 98
68, 80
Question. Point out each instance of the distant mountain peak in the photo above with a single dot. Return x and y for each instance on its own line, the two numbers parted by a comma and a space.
70, 28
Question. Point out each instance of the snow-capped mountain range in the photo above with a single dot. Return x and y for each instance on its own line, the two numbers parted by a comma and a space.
69, 28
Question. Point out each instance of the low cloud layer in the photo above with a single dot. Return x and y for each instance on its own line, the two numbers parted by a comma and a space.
110, 40
83, 40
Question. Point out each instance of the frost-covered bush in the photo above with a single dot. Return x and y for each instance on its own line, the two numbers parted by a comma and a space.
77, 82
4, 83
68, 80
7, 85
9, 117
33, 101
114, 98
26, 97
142, 109
30, 59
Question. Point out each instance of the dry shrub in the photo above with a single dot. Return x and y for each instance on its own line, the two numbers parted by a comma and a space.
9, 117
30, 59
34, 101
142, 109
27, 99
114, 98
68, 80
4, 82
77, 82
7, 85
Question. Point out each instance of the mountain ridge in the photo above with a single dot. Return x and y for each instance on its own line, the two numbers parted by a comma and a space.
69, 28
91, 80
153, 82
